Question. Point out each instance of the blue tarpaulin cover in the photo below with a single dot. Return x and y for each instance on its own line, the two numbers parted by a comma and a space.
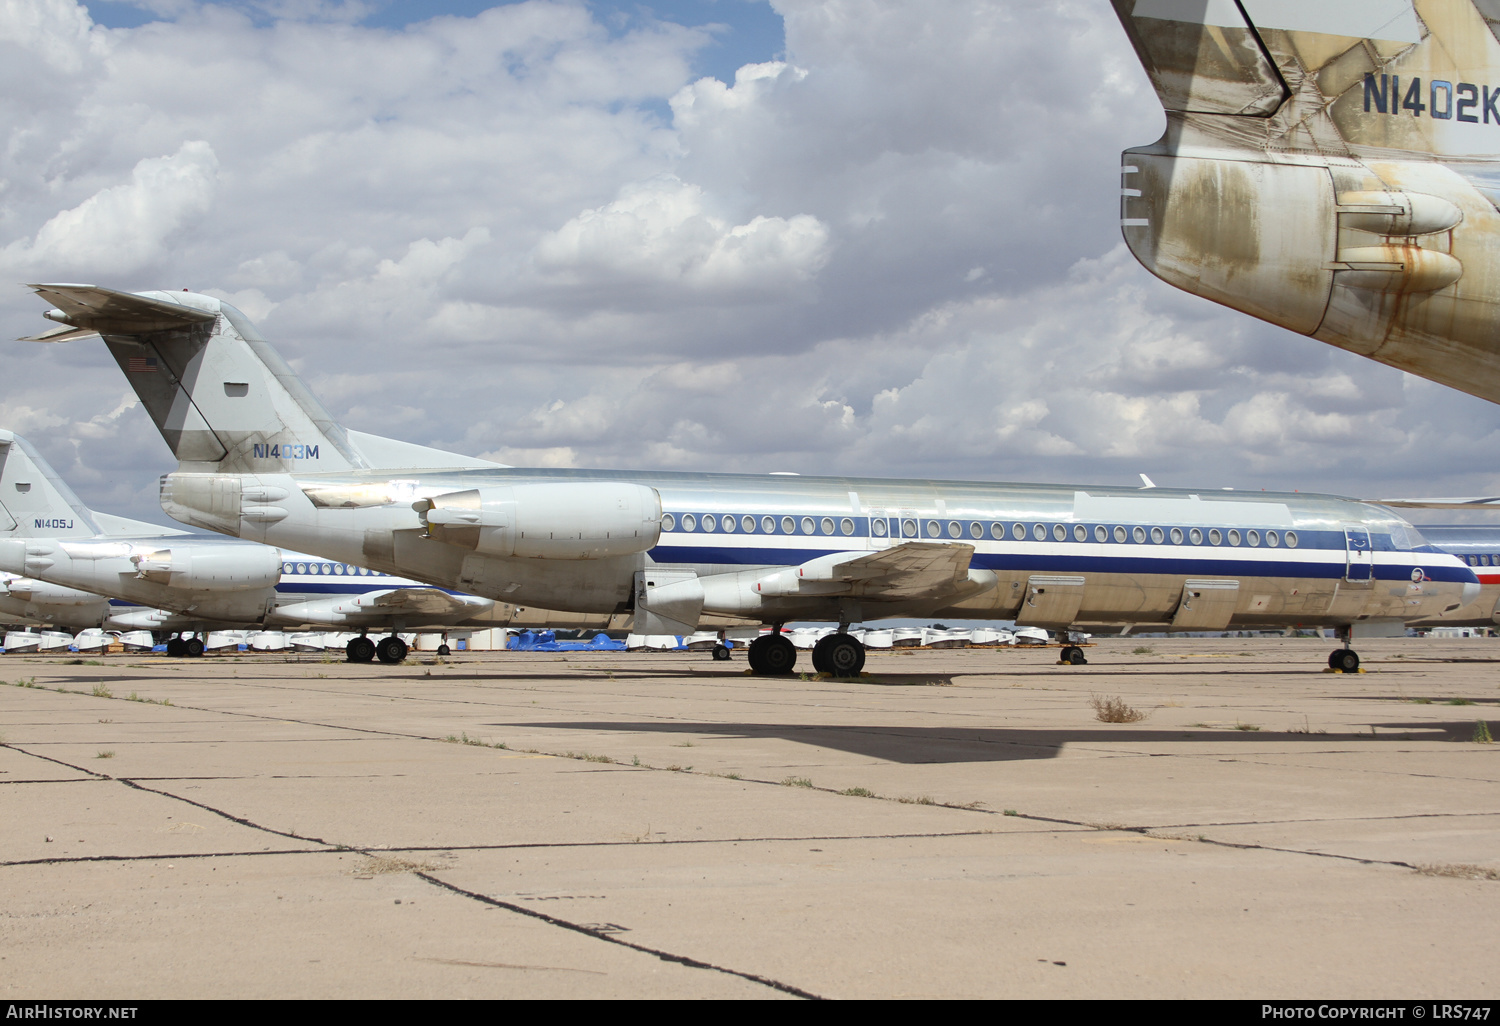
546, 641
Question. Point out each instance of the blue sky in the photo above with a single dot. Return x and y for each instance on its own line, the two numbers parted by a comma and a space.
751, 31
568, 234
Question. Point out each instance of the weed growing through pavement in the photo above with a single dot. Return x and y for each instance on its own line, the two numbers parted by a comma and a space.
1114, 710
859, 792
797, 782
586, 757
1482, 733
1459, 871
1143, 650
379, 865
106, 754
918, 800
100, 691
1459, 701
1011, 812
474, 742
1246, 726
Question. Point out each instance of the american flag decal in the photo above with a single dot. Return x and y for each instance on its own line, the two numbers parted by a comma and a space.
142, 365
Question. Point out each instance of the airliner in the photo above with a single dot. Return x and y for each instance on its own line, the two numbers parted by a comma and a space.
169, 581
1479, 546
1330, 167
260, 458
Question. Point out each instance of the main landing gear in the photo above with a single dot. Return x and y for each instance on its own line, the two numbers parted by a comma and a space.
838, 655
178, 646
1071, 654
363, 650
772, 655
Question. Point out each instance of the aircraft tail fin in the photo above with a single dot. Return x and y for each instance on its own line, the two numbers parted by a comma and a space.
1328, 75
34, 501
221, 396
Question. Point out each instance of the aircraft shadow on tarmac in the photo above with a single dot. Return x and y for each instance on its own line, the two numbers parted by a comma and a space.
916, 745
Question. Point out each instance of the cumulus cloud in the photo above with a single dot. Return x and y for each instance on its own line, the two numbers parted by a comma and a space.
533, 233
660, 232
122, 228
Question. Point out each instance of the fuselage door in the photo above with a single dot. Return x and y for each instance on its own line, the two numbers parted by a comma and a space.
1360, 567
1051, 601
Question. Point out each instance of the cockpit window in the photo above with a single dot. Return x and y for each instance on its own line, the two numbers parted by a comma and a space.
1405, 538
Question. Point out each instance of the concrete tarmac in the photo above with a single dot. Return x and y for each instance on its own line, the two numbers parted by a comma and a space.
954, 824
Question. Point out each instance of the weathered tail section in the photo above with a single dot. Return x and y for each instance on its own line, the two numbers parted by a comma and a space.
34, 501
223, 398
1329, 167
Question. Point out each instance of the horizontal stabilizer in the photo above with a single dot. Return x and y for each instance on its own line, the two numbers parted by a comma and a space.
66, 333
1454, 502
102, 310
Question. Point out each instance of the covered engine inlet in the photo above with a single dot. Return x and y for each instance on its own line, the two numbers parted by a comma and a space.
583, 520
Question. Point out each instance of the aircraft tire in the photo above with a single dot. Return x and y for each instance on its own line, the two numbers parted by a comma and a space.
359, 650
1345, 659
444, 650
192, 648
174, 647
391, 650
839, 655
721, 654
772, 656
1076, 657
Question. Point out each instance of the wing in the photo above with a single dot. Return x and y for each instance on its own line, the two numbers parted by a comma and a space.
906, 571
426, 601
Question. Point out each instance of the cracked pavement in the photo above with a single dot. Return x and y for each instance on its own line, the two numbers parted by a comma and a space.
955, 824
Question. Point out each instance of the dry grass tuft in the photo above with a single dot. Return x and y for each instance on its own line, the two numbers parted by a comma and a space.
1114, 710
379, 865
1459, 871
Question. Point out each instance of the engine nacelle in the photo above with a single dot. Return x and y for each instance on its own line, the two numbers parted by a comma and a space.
211, 566
565, 520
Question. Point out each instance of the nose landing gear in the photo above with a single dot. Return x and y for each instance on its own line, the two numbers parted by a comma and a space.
1344, 660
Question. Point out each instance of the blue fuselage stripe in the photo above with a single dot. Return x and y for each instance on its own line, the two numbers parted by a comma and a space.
1196, 564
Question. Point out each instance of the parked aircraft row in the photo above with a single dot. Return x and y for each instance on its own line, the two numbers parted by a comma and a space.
68, 565
261, 459
1327, 167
